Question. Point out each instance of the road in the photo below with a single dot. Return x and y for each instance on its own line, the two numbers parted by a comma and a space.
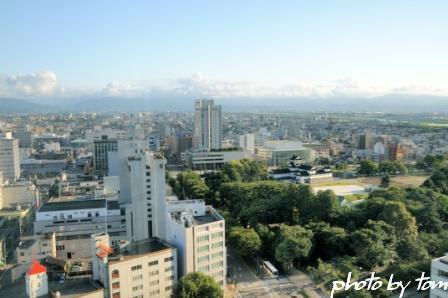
250, 285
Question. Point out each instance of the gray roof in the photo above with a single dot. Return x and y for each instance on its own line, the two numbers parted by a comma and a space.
78, 204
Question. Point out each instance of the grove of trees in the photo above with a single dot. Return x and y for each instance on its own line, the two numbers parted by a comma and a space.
395, 230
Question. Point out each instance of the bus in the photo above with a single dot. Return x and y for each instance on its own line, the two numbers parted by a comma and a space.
270, 268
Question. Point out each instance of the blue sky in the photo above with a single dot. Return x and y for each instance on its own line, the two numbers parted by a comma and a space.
273, 43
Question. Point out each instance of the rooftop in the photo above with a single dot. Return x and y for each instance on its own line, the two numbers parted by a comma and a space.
78, 204
283, 145
138, 248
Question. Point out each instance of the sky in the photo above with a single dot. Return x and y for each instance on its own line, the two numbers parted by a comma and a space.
223, 48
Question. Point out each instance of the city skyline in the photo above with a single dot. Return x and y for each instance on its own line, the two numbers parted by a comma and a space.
251, 49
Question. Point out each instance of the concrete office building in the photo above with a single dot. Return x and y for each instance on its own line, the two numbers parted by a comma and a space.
73, 221
207, 125
198, 233
100, 154
143, 269
9, 157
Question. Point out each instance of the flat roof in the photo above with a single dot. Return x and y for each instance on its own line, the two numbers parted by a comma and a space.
138, 248
78, 204
74, 288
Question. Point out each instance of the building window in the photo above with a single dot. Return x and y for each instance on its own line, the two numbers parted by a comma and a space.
155, 272
154, 283
217, 254
203, 258
137, 277
137, 267
171, 268
154, 293
203, 248
137, 288
168, 278
153, 263
218, 274
168, 288
116, 295
217, 265
115, 274
203, 238
204, 268
443, 273
169, 259
217, 235
217, 244
116, 285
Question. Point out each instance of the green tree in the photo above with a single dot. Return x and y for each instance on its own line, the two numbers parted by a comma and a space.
368, 167
396, 214
197, 285
385, 181
190, 185
294, 244
246, 241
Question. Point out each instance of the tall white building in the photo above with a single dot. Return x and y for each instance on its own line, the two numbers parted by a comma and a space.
207, 125
9, 157
142, 187
147, 185
198, 233
118, 164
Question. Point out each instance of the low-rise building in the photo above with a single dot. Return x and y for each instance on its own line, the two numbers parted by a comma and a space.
303, 174
213, 159
146, 268
278, 153
73, 221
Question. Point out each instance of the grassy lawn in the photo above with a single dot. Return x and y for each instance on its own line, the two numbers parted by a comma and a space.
402, 181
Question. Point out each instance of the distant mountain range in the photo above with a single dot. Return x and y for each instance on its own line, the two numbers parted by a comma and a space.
387, 103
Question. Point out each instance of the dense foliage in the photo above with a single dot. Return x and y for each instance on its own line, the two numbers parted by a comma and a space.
197, 285
395, 230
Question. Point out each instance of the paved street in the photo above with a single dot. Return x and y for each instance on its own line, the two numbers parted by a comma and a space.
250, 285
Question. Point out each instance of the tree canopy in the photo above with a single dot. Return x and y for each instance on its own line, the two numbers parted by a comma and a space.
197, 285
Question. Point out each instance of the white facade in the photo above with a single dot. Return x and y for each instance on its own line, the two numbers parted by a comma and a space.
118, 164
74, 221
143, 181
9, 158
36, 281
147, 269
439, 273
203, 159
247, 142
207, 125
198, 233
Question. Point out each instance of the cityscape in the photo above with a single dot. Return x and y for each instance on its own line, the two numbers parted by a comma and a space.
121, 176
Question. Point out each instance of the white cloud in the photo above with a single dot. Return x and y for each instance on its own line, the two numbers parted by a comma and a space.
45, 84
